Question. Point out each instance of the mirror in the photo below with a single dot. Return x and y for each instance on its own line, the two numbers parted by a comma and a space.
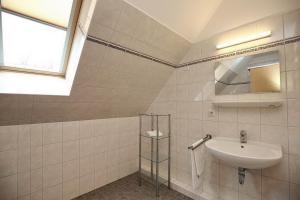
259, 73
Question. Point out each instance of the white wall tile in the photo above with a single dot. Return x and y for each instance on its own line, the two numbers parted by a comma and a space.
228, 193
294, 164
70, 150
124, 169
36, 157
86, 165
70, 131
99, 127
23, 160
182, 93
293, 84
8, 187
114, 157
273, 189
40, 163
291, 24
228, 177
52, 154
100, 178
36, 134
25, 197
210, 127
52, 133
292, 56
113, 141
228, 129
293, 112
294, 192
8, 137
211, 189
182, 110
86, 183
208, 92
124, 140
52, 175
86, 129
8, 163
274, 116
70, 170
113, 173
86, 147
243, 196
36, 180
279, 171
23, 184
195, 129
24, 137
182, 76
100, 161
54, 192
275, 135
37, 195
294, 140
101, 143
212, 172
71, 189
249, 115
195, 110
228, 114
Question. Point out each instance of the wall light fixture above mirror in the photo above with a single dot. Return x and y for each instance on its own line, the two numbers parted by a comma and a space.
244, 39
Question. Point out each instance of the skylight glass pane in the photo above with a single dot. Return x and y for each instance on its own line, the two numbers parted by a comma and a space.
52, 11
31, 45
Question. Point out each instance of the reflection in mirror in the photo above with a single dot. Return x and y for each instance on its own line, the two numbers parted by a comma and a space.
259, 73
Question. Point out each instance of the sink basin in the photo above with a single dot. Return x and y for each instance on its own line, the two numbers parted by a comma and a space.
250, 155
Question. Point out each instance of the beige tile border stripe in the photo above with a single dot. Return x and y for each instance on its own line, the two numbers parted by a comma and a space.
207, 59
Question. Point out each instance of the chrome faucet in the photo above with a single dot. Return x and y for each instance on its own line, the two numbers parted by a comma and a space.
243, 136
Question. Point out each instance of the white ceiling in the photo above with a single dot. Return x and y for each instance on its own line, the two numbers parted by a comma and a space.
196, 20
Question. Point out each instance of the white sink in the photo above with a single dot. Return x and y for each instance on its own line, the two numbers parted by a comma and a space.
250, 155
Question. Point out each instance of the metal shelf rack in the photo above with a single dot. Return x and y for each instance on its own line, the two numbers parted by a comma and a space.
154, 156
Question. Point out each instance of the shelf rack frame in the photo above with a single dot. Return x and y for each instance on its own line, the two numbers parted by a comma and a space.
156, 161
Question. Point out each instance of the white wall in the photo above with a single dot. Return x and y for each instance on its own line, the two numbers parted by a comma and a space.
65, 159
188, 96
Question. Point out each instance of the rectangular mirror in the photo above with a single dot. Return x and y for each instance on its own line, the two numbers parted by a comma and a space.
259, 73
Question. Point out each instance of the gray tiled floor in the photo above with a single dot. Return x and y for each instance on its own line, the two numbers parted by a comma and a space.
127, 189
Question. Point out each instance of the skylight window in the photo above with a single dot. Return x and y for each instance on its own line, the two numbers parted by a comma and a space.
36, 35
52, 11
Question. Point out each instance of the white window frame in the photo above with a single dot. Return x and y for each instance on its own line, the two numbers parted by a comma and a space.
13, 82
70, 31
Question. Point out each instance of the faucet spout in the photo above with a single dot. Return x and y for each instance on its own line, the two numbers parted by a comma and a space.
243, 136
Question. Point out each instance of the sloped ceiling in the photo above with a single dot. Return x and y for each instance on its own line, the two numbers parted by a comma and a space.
113, 83
108, 82
197, 20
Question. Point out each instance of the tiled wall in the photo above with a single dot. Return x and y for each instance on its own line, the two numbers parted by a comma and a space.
61, 160
108, 83
65, 159
119, 22
281, 26
188, 96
